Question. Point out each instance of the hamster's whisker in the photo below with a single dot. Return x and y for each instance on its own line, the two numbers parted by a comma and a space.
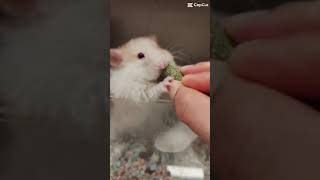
179, 57
173, 47
180, 52
169, 46
177, 52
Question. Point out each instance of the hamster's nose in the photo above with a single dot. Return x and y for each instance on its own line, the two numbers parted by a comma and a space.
163, 65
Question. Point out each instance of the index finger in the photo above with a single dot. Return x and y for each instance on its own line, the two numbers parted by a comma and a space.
197, 68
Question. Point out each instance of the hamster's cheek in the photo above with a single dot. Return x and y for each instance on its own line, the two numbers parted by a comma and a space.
167, 55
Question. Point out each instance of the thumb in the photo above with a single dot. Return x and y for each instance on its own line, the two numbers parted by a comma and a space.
192, 108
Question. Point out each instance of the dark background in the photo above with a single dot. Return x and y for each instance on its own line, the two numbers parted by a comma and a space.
238, 6
53, 119
292, 154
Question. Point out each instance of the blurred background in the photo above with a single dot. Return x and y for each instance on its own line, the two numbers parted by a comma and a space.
234, 6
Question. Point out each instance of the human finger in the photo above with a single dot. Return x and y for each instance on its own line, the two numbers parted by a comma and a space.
289, 64
192, 108
258, 132
196, 68
200, 81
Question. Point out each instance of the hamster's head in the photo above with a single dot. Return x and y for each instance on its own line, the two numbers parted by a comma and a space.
144, 55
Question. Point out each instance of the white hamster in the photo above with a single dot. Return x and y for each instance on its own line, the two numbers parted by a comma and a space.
135, 68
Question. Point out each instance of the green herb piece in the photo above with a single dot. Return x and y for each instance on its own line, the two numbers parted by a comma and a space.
173, 71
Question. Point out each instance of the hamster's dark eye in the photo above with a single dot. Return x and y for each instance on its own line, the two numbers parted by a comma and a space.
140, 55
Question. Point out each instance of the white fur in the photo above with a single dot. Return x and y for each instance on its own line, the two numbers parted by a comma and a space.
129, 83
135, 79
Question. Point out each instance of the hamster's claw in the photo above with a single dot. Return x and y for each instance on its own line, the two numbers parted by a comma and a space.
167, 83
169, 79
168, 87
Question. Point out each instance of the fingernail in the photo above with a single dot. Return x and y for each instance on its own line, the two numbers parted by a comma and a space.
186, 68
175, 85
201, 63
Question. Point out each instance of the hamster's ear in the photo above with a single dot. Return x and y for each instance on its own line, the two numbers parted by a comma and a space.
116, 57
153, 37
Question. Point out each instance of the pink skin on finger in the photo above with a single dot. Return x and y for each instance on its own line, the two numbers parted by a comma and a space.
197, 68
174, 88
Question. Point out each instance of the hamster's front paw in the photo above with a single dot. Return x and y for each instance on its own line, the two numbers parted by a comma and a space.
167, 83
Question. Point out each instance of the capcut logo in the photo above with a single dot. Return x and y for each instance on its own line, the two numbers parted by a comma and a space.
189, 5
197, 5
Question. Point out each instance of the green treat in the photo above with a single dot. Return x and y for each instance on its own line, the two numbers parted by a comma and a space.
173, 71
222, 44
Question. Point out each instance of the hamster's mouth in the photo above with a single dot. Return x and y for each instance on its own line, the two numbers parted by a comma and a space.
171, 70
162, 75
160, 78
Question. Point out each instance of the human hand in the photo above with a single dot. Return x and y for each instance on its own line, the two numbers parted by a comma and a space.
279, 48
191, 100
264, 125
